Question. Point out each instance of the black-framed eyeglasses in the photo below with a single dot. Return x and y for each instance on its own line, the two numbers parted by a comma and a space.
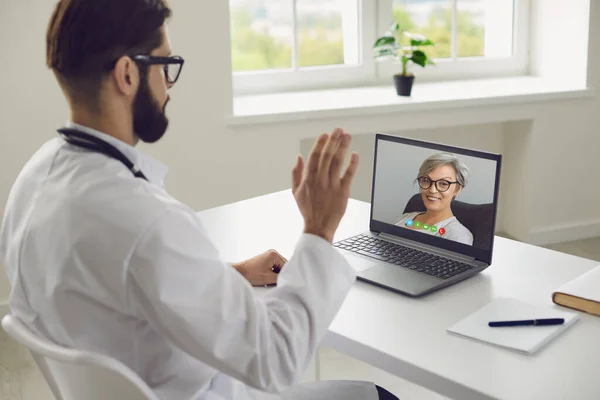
172, 65
442, 185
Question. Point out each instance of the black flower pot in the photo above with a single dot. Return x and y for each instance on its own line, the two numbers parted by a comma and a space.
404, 84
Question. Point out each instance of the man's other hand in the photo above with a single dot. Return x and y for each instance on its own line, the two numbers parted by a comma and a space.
263, 269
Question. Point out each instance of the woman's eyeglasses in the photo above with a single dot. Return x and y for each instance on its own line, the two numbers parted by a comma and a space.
442, 185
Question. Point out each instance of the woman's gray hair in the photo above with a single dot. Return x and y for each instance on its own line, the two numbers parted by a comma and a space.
437, 160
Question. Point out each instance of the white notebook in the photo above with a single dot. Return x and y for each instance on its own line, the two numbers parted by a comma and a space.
527, 339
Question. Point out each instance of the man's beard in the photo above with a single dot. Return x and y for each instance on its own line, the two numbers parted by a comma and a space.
149, 121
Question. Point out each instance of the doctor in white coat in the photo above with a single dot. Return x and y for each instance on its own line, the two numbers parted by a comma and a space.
102, 258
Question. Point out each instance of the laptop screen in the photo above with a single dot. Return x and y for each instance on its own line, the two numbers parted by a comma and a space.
436, 194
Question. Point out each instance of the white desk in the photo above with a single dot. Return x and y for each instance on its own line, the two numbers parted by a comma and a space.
407, 337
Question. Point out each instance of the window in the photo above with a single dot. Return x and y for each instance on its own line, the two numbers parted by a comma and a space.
269, 35
473, 38
279, 45
299, 44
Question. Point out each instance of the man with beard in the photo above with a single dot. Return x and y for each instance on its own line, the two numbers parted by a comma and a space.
101, 258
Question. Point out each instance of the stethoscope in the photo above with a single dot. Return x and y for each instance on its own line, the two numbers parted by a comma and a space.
81, 139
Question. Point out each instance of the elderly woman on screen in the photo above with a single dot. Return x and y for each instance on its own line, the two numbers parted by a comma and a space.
441, 178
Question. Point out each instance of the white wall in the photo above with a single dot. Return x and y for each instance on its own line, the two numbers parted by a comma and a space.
212, 164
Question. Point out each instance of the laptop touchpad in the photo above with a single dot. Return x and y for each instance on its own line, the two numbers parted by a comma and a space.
359, 264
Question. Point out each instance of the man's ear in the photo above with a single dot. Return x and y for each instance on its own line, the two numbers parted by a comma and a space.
126, 76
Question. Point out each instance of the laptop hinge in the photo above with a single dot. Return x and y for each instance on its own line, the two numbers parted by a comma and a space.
424, 247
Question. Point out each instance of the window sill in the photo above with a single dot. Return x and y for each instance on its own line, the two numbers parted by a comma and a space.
352, 102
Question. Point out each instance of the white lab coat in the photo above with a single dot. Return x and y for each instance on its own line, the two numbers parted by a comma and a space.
103, 261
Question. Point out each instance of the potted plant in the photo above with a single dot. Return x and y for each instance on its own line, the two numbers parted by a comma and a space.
404, 47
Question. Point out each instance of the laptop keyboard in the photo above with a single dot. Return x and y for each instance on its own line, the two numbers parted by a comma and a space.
403, 256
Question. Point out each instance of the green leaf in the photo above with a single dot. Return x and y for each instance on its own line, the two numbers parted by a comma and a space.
421, 42
385, 54
395, 26
419, 58
385, 41
391, 47
388, 50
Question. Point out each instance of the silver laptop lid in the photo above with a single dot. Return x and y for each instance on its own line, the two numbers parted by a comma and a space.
438, 195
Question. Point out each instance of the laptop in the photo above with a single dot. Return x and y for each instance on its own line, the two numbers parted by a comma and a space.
433, 216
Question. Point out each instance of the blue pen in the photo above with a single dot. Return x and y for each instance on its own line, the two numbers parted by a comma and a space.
529, 322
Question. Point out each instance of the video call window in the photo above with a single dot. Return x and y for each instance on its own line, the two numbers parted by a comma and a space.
435, 193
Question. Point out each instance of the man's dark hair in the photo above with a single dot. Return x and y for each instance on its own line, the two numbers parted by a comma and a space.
86, 37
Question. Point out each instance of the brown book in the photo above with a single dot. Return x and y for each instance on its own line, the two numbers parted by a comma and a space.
582, 293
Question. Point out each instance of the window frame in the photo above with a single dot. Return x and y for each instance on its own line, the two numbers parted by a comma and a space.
374, 16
